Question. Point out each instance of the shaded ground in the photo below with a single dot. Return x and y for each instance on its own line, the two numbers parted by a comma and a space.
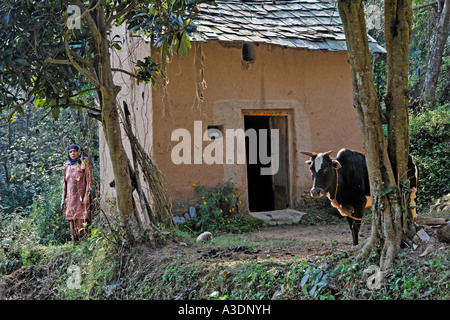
281, 242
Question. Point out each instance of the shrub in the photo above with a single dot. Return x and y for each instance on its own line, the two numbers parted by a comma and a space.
430, 149
18, 242
218, 211
49, 218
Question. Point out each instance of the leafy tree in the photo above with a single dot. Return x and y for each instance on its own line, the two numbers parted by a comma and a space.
428, 68
33, 150
428, 93
49, 47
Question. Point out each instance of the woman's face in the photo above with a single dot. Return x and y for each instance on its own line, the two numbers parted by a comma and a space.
73, 154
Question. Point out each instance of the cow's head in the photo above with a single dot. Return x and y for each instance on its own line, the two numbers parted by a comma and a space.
323, 173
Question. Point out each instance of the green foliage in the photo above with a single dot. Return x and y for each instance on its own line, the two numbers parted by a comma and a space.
430, 148
51, 225
257, 281
167, 21
314, 280
219, 211
18, 242
422, 36
42, 59
107, 271
411, 277
33, 151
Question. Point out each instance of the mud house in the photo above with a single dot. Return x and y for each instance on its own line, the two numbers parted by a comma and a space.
262, 81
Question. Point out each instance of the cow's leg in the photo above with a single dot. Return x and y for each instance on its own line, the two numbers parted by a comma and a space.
354, 227
356, 224
355, 231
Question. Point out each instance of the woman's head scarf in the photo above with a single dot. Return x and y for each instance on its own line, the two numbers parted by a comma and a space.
77, 160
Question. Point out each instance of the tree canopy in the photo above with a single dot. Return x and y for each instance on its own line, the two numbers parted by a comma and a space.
57, 53
50, 54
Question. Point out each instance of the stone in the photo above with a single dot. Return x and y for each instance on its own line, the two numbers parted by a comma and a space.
423, 235
205, 236
187, 216
279, 217
177, 219
444, 232
192, 212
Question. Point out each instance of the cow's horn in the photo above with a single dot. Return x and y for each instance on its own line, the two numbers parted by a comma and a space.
327, 153
307, 153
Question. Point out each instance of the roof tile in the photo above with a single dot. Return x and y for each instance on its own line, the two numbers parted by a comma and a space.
308, 24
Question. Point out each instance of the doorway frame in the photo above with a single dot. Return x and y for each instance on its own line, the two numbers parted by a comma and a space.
284, 162
229, 113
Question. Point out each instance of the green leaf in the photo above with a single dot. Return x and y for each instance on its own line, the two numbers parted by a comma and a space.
55, 112
313, 291
184, 45
20, 110
304, 279
22, 62
388, 190
117, 46
323, 282
39, 103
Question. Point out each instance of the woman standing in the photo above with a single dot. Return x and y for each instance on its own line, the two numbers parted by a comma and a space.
77, 193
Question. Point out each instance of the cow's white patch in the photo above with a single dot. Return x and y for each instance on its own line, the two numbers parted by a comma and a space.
318, 162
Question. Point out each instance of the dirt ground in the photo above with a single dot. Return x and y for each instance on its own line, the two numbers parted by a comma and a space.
312, 239
284, 242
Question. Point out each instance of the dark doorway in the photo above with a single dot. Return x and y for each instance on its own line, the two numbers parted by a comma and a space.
266, 191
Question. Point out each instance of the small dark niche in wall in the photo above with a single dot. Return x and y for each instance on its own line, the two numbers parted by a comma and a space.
249, 52
215, 131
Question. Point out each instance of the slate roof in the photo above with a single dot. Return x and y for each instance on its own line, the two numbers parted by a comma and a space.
305, 24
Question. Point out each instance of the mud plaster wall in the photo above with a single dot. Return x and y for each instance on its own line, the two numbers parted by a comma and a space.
215, 86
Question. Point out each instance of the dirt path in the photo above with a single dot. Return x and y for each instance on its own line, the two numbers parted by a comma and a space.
306, 241
292, 241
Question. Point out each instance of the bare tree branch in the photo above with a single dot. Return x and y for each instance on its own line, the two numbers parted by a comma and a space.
57, 61
125, 71
120, 14
80, 69
90, 21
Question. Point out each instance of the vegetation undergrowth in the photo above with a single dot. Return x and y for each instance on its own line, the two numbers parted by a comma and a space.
218, 211
98, 268
430, 149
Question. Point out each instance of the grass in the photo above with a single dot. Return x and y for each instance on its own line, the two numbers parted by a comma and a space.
108, 271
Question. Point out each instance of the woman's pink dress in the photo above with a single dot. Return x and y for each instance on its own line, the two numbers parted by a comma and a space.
77, 194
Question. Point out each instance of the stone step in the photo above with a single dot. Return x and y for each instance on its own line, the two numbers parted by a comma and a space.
279, 217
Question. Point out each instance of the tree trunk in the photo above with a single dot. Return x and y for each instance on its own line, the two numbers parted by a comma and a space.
100, 73
119, 160
435, 58
398, 26
388, 205
112, 130
397, 30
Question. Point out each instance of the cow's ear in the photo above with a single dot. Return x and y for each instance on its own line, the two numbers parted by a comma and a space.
336, 164
308, 162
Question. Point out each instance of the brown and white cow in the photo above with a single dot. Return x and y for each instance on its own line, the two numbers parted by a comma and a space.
345, 181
